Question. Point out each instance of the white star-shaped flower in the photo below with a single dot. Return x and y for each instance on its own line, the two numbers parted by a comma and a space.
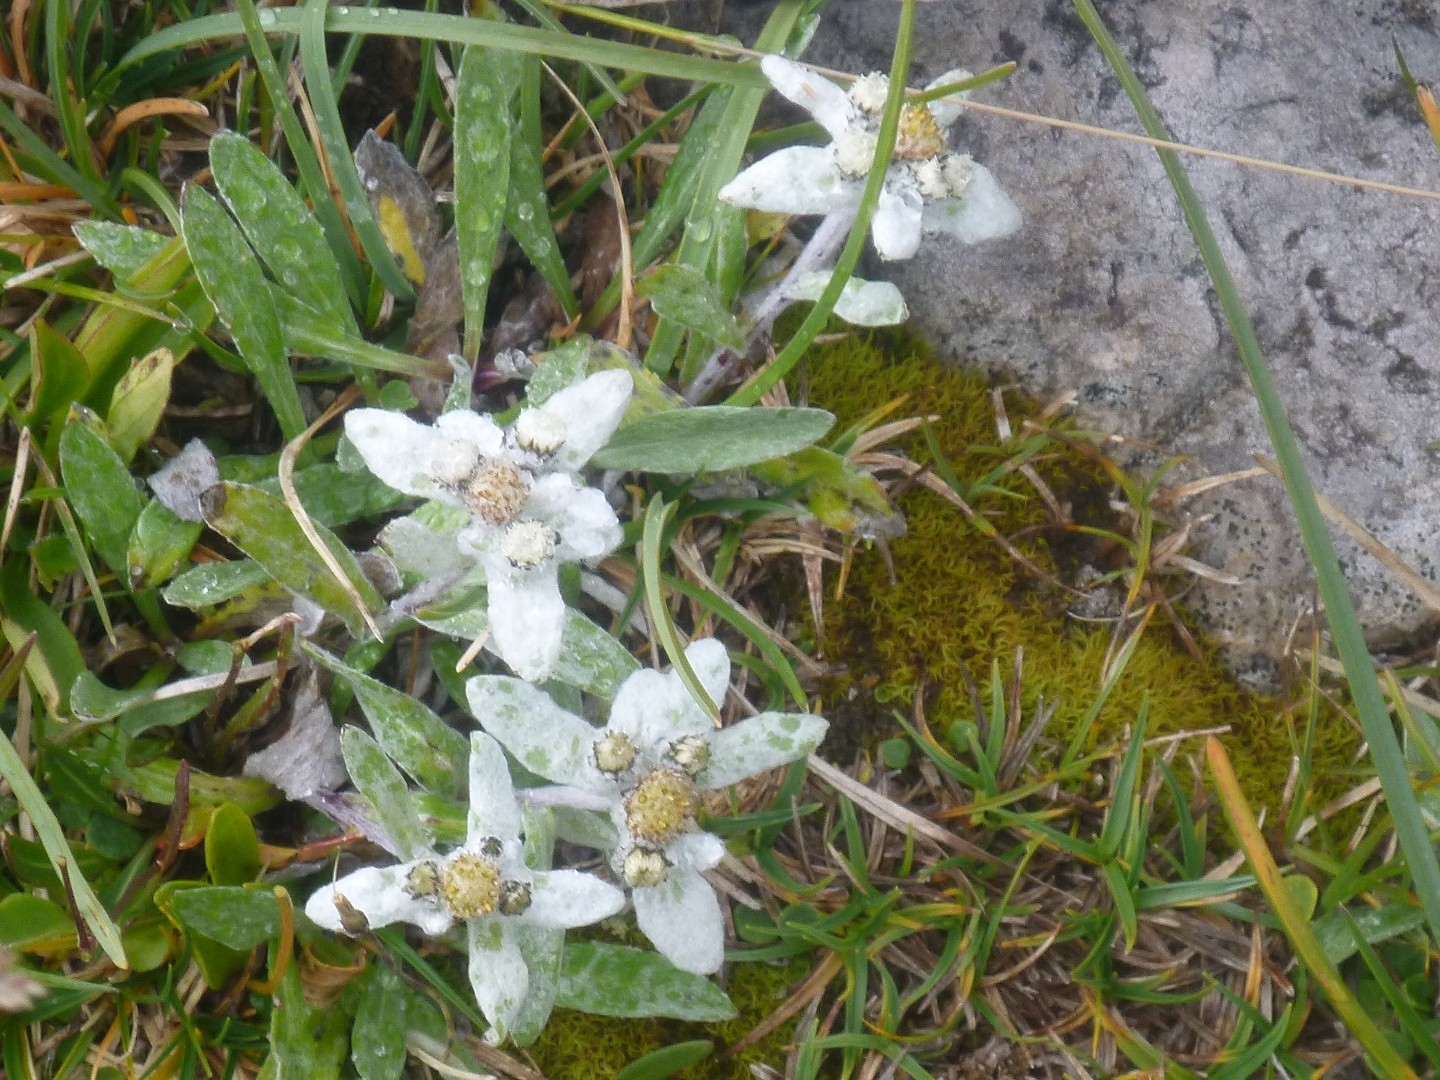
485, 885
646, 768
528, 511
927, 189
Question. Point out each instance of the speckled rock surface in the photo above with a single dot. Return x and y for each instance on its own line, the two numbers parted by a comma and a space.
1103, 293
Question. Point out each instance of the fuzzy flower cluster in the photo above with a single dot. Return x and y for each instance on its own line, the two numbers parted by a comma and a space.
928, 188
529, 511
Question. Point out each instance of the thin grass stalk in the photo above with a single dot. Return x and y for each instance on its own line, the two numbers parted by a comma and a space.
1297, 927
1370, 707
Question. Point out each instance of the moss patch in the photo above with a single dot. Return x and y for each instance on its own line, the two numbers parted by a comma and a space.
579, 1046
959, 601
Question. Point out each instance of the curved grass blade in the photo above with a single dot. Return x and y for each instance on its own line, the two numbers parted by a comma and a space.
1374, 717
657, 514
527, 211
1297, 928
331, 129
62, 859
389, 22
312, 177
849, 256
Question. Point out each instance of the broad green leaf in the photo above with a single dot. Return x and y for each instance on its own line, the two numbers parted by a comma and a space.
154, 782
28, 920
159, 543
232, 279
616, 980
121, 249
237, 918
711, 439
61, 374
422, 744
62, 860
262, 526
218, 962
377, 1041
55, 661
687, 296
376, 778
1374, 925
334, 497
280, 227
214, 583
305, 1043
667, 1061
139, 401
92, 701
147, 943
100, 490
232, 850
484, 126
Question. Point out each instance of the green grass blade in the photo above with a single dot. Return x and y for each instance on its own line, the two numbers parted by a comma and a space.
1296, 926
1385, 750
388, 22
652, 545
331, 129
307, 165
62, 859
528, 216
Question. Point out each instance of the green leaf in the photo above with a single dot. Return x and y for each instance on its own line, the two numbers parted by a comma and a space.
101, 491
667, 1061
711, 439
121, 249
305, 1042
27, 920
139, 401
280, 227
227, 271
56, 661
159, 543
384, 789
422, 744
616, 980
687, 296
332, 496
484, 126
214, 583
235, 917
377, 1042
61, 373
62, 859
92, 701
232, 850
262, 526
1336, 933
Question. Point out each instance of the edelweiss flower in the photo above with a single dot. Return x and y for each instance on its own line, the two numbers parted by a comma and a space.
485, 885
528, 512
647, 767
928, 189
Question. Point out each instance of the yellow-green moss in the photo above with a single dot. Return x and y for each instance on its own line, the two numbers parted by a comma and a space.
957, 597
579, 1046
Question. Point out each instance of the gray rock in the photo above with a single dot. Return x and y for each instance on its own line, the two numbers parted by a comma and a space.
1103, 292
